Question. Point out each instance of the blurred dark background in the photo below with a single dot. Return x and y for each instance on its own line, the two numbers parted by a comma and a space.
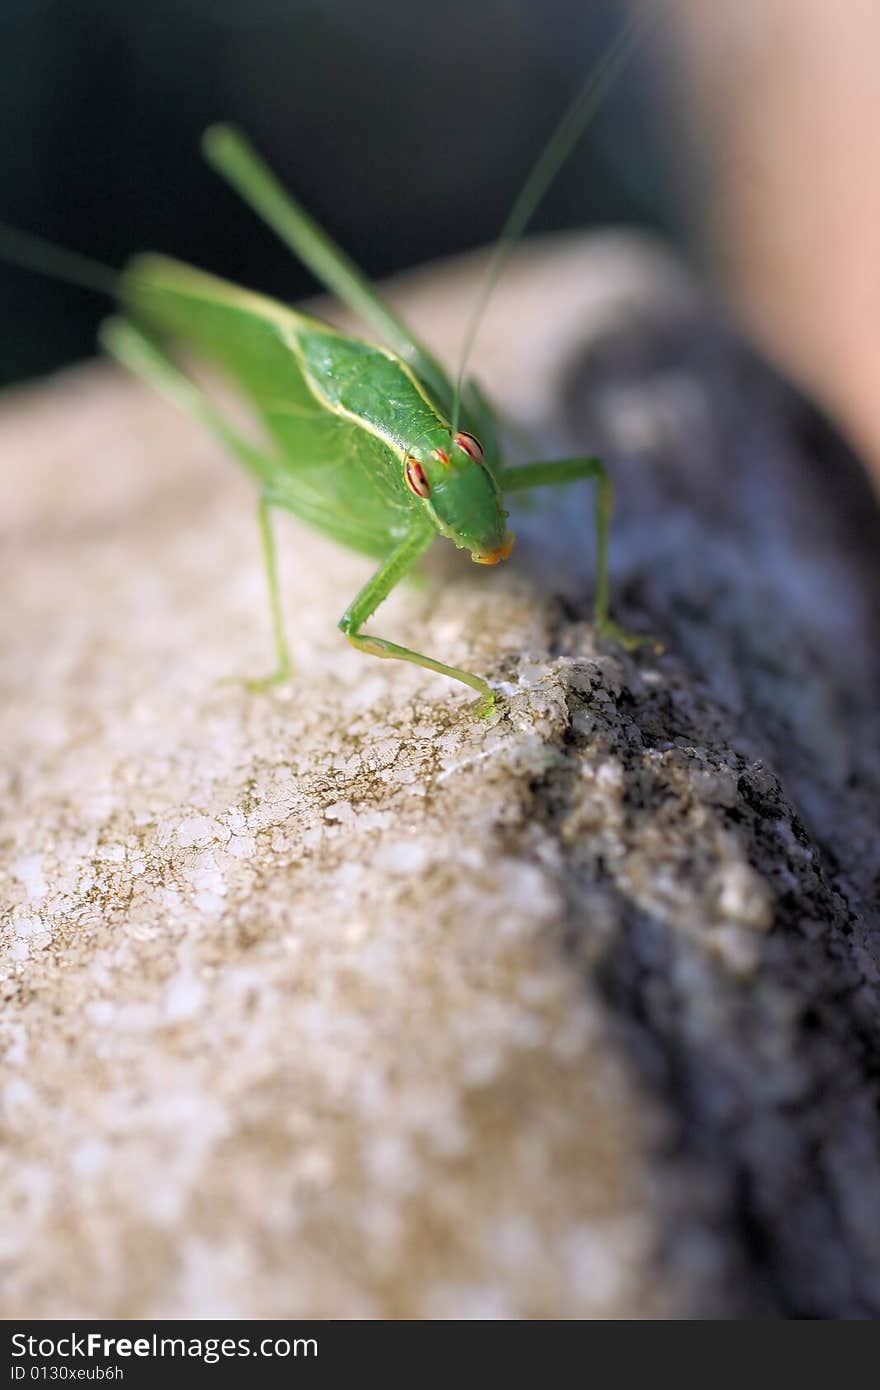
407, 129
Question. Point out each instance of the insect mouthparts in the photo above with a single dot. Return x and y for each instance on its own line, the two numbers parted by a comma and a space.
500, 552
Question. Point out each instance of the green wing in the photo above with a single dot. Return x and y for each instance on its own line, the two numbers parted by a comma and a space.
322, 461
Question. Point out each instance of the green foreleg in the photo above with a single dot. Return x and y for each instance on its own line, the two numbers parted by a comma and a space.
387, 576
558, 471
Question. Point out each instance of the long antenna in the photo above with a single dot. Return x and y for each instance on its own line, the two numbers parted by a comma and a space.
568, 132
46, 258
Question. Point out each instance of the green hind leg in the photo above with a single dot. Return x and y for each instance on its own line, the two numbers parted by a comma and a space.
387, 576
559, 471
270, 560
144, 355
232, 155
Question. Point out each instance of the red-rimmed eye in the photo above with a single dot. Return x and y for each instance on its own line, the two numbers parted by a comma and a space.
416, 478
470, 445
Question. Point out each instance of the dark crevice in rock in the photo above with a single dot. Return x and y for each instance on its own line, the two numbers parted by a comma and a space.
769, 1070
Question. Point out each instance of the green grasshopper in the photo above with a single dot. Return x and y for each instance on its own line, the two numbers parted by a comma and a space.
372, 445
363, 440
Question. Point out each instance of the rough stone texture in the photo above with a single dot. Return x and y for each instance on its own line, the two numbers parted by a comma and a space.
337, 1002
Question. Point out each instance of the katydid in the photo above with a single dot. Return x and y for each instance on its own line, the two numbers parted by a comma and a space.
372, 445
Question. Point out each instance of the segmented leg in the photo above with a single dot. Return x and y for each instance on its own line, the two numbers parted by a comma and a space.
232, 155
143, 355
387, 576
270, 560
554, 472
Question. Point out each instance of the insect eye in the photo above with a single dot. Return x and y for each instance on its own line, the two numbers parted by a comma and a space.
470, 445
416, 478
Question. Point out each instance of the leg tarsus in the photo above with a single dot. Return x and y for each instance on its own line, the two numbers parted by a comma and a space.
283, 668
381, 647
555, 472
388, 575
607, 627
270, 561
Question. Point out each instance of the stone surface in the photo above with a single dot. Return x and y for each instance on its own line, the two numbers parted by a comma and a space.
338, 1002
